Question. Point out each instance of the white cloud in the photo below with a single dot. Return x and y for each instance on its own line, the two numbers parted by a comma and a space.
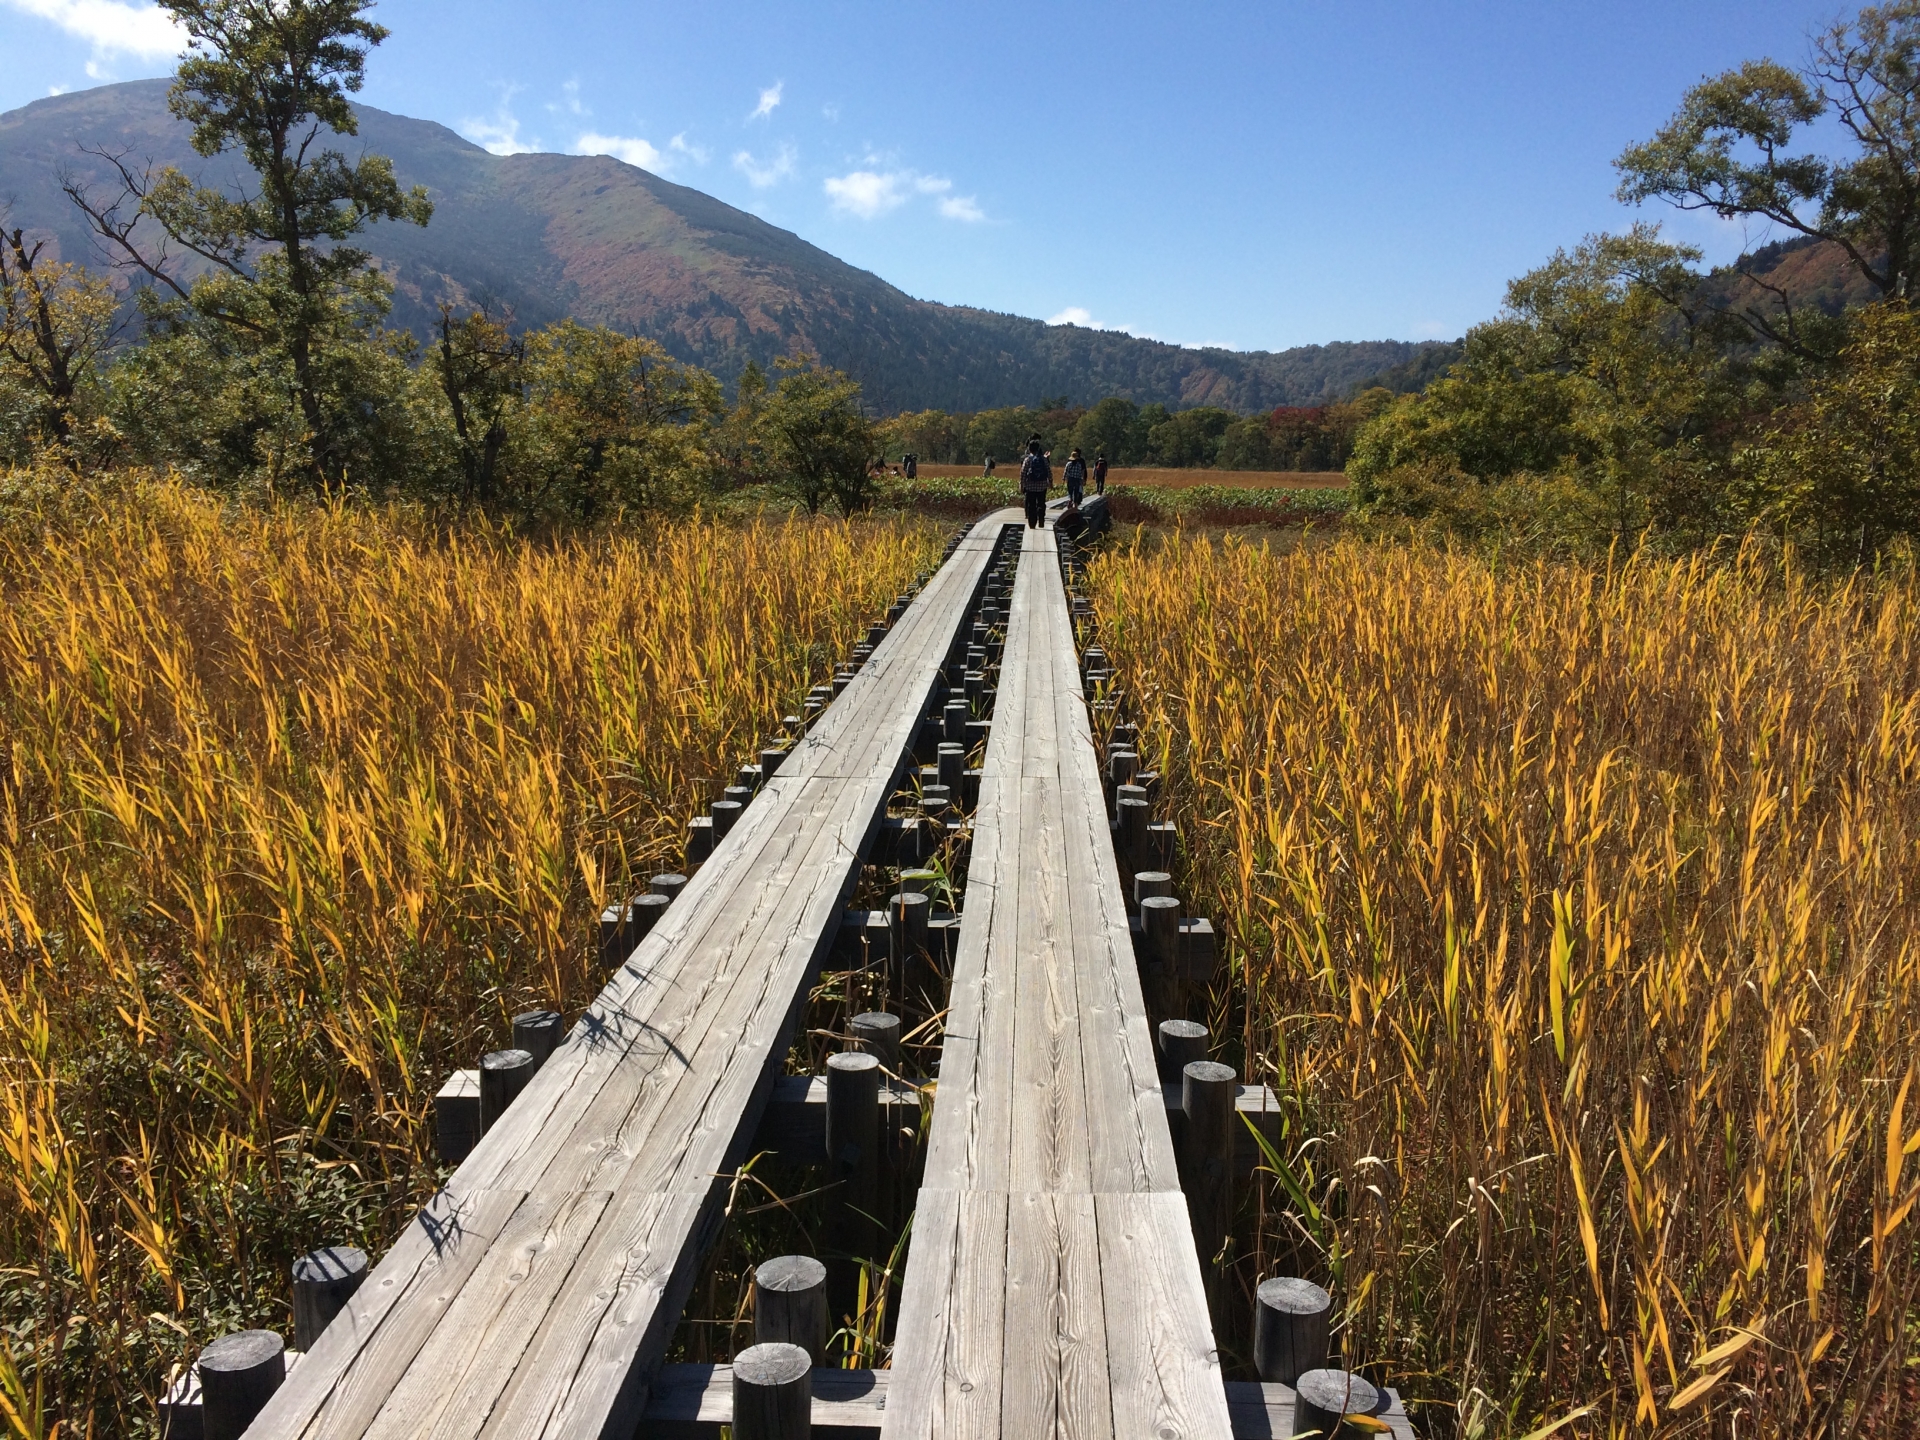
769, 100
680, 145
866, 193
869, 194
831, 112
58, 89
761, 174
630, 148
499, 133
111, 26
570, 99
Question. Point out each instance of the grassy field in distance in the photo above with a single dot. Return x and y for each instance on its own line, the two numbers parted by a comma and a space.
1163, 479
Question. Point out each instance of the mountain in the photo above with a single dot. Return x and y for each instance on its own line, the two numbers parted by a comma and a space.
605, 242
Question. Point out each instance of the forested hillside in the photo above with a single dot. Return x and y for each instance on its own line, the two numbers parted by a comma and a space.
549, 236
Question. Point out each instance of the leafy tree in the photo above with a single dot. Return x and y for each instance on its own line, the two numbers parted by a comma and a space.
1000, 433
482, 372
270, 79
931, 434
56, 320
1841, 470
1731, 149
1591, 376
611, 422
740, 441
1112, 428
1188, 437
819, 439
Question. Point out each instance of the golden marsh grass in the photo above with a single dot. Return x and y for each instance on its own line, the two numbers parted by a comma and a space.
1572, 911
297, 807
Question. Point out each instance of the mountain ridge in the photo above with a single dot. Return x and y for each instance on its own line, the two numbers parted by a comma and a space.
548, 236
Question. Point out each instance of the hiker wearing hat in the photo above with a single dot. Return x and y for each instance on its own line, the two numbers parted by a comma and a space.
1076, 477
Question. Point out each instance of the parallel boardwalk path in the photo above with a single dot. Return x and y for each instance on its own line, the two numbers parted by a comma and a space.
1052, 1287
537, 1292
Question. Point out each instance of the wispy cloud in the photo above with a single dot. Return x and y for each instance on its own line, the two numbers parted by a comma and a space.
680, 145
570, 100
830, 111
868, 194
769, 100
762, 174
500, 131
112, 27
630, 148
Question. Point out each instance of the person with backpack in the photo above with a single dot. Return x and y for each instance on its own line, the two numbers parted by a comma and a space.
1075, 475
1099, 474
911, 464
1036, 478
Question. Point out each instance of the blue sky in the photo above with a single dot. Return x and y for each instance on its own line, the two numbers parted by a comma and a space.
1256, 175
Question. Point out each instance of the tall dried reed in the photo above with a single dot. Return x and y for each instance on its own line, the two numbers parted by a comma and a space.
296, 808
1573, 912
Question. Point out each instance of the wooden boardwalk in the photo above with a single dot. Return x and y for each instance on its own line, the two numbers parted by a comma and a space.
1052, 1287
537, 1292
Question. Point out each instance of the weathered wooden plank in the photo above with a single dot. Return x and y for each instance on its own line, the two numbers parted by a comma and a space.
1056, 1381
1160, 1351
1265, 1412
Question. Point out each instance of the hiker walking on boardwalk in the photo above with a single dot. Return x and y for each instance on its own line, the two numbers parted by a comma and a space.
1036, 478
1076, 477
1099, 474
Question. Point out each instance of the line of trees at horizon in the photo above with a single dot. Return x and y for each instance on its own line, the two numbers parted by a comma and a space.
1287, 438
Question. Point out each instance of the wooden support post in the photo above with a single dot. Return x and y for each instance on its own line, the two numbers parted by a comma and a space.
699, 839
741, 793
907, 916
853, 1167
770, 761
1160, 919
614, 943
1133, 830
1207, 1091
953, 764
323, 1281
725, 812
790, 1305
503, 1075
878, 1034
936, 792
1181, 1043
238, 1375
954, 719
1150, 882
976, 685
772, 1393
1122, 765
534, 1031
1126, 735
1291, 1320
667, 885
643, 914
1327, 1398
456, 1116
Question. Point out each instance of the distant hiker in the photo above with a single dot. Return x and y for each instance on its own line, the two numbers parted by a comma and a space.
1076, 477
912, 467
1099, 474
1036, 478
988, 472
